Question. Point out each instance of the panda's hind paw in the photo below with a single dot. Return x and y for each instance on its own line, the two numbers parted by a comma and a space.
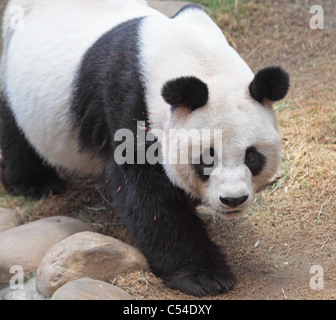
36, 191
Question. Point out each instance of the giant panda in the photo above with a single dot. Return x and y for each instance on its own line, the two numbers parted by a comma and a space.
76, 74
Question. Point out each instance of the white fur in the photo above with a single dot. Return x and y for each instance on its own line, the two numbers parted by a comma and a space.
193, 45
40, 62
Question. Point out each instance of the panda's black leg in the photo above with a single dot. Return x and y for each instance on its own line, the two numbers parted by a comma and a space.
23, 171
166, 228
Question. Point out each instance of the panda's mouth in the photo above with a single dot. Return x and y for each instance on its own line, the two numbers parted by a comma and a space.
232, 212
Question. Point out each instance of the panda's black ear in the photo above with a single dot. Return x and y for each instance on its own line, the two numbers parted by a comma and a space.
188, 92
271, 83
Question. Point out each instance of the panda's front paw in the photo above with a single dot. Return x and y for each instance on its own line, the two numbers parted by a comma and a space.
202, 282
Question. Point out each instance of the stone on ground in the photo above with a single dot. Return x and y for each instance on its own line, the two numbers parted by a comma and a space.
26, 245
9, 218
87, 255
89, 289
26, 292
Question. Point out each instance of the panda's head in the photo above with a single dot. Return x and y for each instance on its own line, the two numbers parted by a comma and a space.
223, 136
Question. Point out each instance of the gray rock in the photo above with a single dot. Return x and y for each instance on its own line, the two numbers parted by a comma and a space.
26, 245
9, 218
89, 289
86, 254
28, 292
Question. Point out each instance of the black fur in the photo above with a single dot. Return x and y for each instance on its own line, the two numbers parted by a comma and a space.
187, 7
255, 161
271, 83
109, 95
207, 161
164, 223
188, 92
23, 171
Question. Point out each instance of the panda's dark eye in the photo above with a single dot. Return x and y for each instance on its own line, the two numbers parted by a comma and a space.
206, 164
250, 157
254, 160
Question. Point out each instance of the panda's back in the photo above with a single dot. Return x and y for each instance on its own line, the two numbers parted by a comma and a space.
41, 61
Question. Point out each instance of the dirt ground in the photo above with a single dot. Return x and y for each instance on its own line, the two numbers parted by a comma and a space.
292, 225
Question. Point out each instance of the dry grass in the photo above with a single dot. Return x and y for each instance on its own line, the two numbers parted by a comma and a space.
293, 223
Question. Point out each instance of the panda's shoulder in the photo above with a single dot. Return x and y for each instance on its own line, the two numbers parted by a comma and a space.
190, 22
193, 13
187, 9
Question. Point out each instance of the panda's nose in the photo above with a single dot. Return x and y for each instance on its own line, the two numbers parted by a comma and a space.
233, 202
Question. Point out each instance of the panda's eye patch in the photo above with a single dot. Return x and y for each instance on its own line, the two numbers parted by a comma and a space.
254, 160
206, 163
